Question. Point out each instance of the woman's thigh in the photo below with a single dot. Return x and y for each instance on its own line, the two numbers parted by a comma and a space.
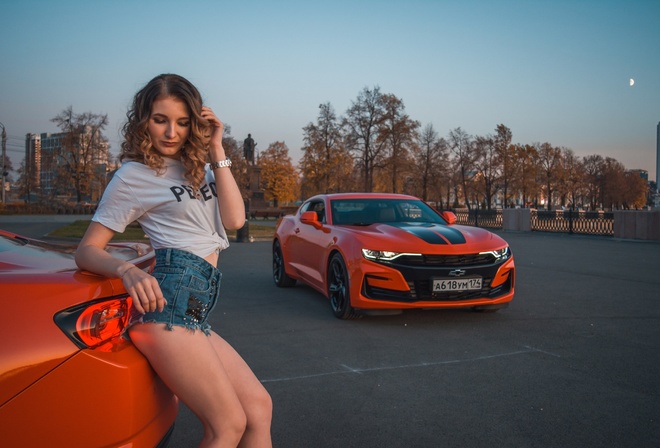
252, 394
191, 366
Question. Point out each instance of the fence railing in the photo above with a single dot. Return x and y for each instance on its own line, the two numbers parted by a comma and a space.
479, 218
570, 221
561, 221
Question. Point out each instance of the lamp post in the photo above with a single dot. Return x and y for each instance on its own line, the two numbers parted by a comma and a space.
4, 157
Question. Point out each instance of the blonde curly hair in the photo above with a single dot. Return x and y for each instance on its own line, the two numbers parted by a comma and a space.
137, 143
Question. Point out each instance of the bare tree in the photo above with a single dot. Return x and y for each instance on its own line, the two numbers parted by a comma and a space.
524, 183
487, 167
26, 182
84, 148
505, 151
397, 131
571, 186
430, 157
461, 146
594, 173
549, 169
326, 165
362, 123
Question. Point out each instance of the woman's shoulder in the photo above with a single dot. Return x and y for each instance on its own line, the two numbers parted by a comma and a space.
132, 172
131, 167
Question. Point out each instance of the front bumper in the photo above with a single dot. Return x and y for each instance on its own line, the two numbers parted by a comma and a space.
394, 285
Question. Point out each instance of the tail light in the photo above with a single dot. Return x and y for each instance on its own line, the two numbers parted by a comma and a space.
92, 324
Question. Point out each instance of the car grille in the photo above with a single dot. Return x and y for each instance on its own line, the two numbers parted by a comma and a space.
461, 260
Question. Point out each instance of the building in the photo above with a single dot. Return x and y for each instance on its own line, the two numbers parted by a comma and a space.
51, 148
47, 155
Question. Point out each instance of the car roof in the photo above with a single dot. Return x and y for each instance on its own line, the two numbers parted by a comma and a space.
334, 196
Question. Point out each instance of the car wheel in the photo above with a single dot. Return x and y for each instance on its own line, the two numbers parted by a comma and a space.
279, 273
339, 289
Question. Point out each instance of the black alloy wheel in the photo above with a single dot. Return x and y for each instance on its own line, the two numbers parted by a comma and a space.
339, 289
279, 273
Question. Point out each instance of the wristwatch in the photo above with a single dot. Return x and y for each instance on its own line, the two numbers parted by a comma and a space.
221, 164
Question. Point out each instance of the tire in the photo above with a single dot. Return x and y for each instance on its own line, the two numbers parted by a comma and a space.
279, 273
339, 289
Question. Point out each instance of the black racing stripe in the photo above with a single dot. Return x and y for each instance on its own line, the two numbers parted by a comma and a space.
453, 235
432, 233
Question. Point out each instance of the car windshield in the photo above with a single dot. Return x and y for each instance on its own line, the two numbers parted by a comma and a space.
364, 212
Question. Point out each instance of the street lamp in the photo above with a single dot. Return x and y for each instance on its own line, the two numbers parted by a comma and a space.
4, 158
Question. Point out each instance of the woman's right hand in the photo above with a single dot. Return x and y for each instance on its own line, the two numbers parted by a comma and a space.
144, 289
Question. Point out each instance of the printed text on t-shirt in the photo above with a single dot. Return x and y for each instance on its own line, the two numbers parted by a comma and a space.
207, 192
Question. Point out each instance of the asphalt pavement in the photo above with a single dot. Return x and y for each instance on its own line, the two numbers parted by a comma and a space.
573, 362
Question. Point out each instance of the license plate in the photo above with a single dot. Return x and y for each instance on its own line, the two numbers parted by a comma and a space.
456, 284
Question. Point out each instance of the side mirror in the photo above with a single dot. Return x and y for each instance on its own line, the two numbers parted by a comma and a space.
448, 216
312, 219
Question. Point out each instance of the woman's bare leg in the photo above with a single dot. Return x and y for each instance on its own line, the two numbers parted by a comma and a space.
254, 398
212, 380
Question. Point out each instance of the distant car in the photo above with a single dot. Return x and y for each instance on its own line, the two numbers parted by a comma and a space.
67, 378
369, 251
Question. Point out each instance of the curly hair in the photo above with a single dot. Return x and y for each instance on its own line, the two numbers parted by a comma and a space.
137, 143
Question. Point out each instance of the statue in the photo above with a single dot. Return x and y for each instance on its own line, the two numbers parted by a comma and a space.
248, 149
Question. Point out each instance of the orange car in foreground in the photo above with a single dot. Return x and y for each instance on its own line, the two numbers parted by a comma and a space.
66, 376
369, 251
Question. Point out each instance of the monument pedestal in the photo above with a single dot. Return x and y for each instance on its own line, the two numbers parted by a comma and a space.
255, 194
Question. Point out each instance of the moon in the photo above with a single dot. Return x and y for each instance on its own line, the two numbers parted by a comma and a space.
632, 82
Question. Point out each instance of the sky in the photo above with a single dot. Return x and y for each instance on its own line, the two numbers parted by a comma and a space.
551, 71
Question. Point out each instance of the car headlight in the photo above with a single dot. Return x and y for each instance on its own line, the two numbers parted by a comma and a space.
500, 254
384, 255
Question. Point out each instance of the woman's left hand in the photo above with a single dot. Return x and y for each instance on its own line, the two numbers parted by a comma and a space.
217, 129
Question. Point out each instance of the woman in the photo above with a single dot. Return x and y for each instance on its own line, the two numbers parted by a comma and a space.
183, 205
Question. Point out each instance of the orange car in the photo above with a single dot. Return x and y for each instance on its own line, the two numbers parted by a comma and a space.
368, 251
67, 378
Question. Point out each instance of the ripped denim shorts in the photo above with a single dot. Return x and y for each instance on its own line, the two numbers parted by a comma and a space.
191, 286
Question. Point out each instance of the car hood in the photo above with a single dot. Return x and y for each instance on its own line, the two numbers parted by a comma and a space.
430, 237
20, 255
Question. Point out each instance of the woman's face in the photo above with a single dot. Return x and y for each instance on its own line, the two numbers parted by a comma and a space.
169, 126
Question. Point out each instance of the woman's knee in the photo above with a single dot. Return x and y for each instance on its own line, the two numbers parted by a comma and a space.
228, 427
261, 408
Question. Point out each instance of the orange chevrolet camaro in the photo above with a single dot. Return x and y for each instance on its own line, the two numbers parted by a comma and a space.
67, 378
369, 252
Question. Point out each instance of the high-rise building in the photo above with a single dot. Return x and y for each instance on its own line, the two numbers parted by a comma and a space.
51, 150
33, 161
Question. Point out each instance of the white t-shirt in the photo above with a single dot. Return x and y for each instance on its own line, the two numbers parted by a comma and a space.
164, 205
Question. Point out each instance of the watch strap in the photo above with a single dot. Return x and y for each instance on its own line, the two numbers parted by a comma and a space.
221, 164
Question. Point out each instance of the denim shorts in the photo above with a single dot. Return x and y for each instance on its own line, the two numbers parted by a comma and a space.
191, 286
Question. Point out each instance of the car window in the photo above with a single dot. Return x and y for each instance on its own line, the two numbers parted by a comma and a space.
363, 212
315, 206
